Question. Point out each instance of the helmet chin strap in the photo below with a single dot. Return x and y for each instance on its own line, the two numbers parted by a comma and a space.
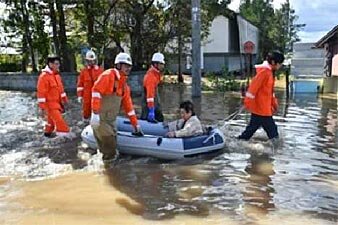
156, 66
119, 67
90, 63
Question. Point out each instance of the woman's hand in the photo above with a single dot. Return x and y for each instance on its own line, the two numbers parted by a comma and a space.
171, 134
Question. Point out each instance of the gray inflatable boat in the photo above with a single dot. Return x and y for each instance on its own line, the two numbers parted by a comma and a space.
155, 144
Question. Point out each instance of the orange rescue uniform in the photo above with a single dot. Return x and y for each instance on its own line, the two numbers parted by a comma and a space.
86, 80
150, 82
260, 98
51, 97
113, 82
150, 94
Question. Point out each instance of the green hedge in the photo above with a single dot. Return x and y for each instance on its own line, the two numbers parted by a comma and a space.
10, 67
223, 81
10, 63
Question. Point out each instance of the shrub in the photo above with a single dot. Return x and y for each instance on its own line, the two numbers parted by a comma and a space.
10, 63
223, 81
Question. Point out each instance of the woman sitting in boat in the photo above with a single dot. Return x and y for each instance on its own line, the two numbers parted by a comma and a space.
189, 125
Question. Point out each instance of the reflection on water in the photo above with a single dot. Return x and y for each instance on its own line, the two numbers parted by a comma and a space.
243, 184
259, 194
69, 200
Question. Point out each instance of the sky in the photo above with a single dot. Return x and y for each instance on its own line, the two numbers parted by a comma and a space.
320, 16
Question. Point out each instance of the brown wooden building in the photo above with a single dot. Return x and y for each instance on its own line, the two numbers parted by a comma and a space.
329, 43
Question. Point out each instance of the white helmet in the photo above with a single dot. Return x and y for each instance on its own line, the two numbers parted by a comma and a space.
123, 57
90, 55
158, 57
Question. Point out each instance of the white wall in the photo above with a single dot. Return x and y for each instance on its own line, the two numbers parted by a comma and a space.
218, 39
335, 65
306, 61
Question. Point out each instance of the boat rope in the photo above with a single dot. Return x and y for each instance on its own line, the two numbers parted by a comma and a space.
231, 117
213, 137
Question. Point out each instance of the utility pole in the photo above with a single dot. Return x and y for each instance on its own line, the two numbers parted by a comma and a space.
287, 80
179, 39
196, 48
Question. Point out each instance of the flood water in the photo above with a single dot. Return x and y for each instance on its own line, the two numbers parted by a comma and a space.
53, 181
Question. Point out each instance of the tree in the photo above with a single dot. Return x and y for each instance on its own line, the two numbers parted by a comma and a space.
40, 38
67, 58
286, 29
143, 26
135, 17
278, 29
89, 10
19, 24
27, 19
213, 8
100, 21
54, 25
178, 18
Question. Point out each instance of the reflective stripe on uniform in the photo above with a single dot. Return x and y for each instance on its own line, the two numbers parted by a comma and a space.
131, 113
41, 100
249, 95
96, 95
150, 99
117, 74
80, 89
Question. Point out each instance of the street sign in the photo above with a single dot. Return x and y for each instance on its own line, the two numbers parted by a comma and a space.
249, 47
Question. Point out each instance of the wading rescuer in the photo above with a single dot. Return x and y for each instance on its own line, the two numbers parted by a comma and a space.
151, 108
260, 99
86, 80
52, 99
109, 93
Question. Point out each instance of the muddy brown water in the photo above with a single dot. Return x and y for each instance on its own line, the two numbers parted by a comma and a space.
45, 181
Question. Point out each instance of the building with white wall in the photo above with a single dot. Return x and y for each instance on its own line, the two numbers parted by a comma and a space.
328, 44
224, 46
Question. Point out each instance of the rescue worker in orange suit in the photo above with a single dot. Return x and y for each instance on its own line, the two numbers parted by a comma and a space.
52, 99
109, 93
260, 99
151, 108
86, 80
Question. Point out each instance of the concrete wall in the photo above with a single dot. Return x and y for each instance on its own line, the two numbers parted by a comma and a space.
172, 65
135, 82
330, 84
27, 82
